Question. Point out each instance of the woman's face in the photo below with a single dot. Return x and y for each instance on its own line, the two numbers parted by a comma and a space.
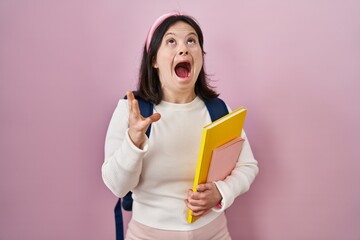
179, 60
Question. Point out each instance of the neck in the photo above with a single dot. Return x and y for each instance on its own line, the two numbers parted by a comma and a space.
179, 98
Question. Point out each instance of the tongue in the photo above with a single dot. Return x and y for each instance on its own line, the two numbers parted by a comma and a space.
181, 72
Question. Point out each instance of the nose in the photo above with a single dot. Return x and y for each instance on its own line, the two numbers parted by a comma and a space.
183, 53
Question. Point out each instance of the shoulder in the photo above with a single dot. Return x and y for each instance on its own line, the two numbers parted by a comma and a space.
122, 106
217, 108
122, 103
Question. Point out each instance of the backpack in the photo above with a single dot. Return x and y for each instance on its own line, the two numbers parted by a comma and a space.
217, 109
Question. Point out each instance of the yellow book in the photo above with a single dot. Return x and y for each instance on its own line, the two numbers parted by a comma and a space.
214, 135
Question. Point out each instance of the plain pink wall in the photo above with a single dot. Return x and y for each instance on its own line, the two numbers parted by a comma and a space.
294, 64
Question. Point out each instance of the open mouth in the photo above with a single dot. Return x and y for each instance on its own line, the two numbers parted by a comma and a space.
183, 69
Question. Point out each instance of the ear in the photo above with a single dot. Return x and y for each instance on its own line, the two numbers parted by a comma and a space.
154, 64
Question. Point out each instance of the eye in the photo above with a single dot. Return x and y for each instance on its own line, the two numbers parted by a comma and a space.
170, 41
191, 41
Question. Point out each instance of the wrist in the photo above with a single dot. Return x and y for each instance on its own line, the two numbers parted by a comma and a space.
136, 138
219, 204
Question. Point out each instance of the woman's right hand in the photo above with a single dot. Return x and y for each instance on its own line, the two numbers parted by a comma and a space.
137, 123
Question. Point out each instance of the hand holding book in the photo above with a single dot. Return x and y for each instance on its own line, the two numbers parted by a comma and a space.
223, 137
204, 198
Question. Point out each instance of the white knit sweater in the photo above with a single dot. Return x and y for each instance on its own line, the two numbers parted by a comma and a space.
161, 173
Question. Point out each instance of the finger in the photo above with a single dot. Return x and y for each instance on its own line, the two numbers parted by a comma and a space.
155, 117
198, 213
195, 200
193, 206
197, 204
204, 187
130, 97
197, 210
135, 108
193, 195
190, 193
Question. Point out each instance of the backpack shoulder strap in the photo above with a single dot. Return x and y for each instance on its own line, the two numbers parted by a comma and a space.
119, 222
216, 108
146, 110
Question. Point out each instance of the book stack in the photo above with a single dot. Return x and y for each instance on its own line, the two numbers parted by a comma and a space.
220, 148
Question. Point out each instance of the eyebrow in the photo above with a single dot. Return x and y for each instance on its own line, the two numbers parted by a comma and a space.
189, 34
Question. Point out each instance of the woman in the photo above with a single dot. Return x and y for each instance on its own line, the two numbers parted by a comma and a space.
159, 170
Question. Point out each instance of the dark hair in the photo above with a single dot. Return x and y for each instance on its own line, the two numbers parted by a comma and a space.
149, 86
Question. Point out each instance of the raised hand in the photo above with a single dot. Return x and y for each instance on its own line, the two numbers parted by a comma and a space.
206, 197
137, 123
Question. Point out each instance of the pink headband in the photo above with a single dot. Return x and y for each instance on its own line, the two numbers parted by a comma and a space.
156, 24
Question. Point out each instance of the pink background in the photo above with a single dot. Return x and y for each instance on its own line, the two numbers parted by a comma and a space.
294, 64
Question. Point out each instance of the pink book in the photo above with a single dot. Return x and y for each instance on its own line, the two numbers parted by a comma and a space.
223, 159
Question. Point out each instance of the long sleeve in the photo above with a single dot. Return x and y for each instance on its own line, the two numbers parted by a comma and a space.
123, 160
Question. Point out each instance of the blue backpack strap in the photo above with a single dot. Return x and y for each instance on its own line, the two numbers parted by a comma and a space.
119, 227
146, 110
216, 108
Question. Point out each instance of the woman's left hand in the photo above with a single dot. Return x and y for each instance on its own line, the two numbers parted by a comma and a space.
206, 197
